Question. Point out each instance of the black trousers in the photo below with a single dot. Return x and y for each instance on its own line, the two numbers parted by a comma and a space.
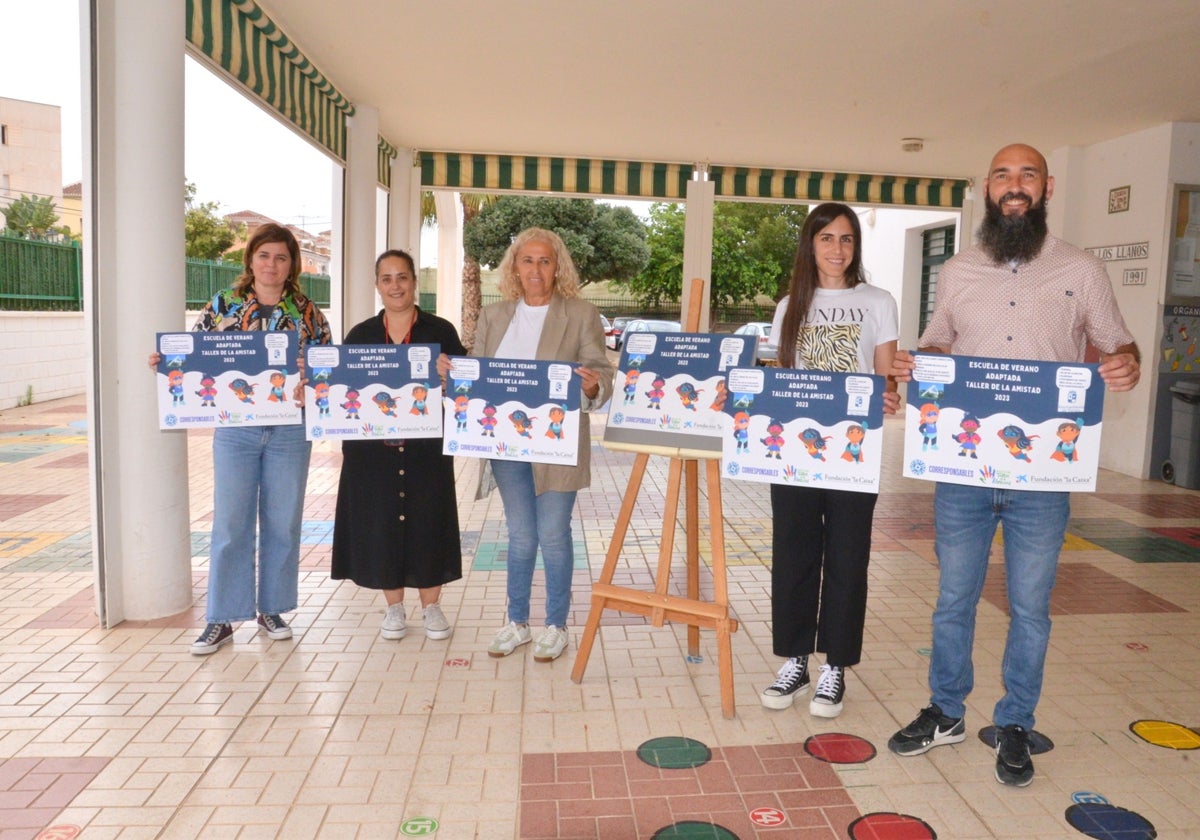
820, 549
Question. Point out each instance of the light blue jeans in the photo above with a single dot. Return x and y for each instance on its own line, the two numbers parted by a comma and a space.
532, 520
259, 476
965, 519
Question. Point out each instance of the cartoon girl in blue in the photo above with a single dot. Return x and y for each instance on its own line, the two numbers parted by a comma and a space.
741, 431
555, 430
385, 403
1068, 435
928, 427
855, 434
175, 386
1019, 445
630, 389
277, 394
814, 443
460, 412
689, 396
243, 390
420, 394
321, 390
522, 422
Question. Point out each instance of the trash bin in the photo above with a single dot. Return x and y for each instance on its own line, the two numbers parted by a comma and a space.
1183, 468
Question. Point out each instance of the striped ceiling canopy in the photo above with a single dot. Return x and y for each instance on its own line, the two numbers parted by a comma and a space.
668, 181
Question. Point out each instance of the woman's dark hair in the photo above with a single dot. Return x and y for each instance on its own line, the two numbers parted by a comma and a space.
805, 279
269, 232
396, 252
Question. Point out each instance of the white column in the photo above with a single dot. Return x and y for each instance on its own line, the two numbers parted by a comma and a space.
697, 245
450, 259
133, 257
362, 176
404, 220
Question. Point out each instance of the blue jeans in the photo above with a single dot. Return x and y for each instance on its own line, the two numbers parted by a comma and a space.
532, 520
965, 520
259, 476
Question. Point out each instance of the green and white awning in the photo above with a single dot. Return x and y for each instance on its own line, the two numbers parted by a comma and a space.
384, 162
668, 181
238, 37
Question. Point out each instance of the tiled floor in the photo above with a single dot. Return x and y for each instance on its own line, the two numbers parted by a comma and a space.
338, 733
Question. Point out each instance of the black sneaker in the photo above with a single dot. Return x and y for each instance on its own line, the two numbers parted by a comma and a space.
930, 729
1013, 764
275, 626
213, 637
791, 680
831, 688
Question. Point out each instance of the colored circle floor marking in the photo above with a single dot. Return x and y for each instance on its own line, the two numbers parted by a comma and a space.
693, 830
1137, 646
1102, 821
839, 748
674, 753
885, 825
1082, 796
768, 816
418, 826
1163, 733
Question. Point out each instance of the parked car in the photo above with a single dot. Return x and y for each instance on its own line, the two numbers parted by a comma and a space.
765, 351
612, 339
605, 326
649, 325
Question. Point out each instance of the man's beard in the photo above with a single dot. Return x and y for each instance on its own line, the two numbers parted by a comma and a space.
1017, 237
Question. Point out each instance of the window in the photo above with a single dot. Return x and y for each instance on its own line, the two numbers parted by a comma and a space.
3, 135
937, 247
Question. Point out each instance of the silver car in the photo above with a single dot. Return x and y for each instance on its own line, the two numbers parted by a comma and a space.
765, 351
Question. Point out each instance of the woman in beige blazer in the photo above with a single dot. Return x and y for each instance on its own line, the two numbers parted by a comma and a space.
542, 317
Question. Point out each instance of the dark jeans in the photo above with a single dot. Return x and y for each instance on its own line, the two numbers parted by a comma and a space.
819, 553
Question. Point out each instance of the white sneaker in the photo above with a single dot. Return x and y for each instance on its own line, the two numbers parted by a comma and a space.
436, 625
510, 637
550, 644
831, 689
393, 626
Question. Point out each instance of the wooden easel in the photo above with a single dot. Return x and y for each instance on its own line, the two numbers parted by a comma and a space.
659, 605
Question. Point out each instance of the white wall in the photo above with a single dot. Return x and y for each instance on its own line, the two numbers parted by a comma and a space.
44, 351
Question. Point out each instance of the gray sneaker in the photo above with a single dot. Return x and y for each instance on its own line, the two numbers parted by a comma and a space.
436, 625
510, 637
550, 644
393, 626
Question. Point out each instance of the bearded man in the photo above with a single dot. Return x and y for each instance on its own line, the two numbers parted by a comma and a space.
1020, 293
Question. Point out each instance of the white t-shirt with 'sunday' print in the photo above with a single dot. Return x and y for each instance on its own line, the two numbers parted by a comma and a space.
843, 328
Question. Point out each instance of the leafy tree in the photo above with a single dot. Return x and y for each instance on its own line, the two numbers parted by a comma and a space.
754, 246
472, 284
31, 217
606, 242
206, 235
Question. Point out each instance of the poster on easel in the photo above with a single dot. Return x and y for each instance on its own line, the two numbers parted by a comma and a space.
516, 409
208, 380
1025, 425
806, 428
372, 392
669, 387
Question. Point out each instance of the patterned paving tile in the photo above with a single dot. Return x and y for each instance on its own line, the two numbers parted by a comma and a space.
1084, 589
1142, 545
1187, 536
34, 790
14, 505
1158, 505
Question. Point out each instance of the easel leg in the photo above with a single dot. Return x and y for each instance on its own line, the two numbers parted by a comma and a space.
692, 528
716, 523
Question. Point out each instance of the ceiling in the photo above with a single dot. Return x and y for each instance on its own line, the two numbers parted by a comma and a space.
799, 84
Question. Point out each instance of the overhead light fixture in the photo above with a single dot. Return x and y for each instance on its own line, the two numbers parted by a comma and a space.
912, 144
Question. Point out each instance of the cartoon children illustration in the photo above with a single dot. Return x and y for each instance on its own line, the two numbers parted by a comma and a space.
276, 394
631, 378
814, 443
488, 420
1068, 435
555, 430
321, 390
420, 394
460, 412
656, 393
351, 405
855, 434
243, 390
175, 386
688, 395
774, 439
522, 422
1017, 442
384, 402
208, 391
968, 439
928, 428
722, 394
741, 431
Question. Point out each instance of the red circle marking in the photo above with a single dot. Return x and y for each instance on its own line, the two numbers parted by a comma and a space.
767, 816
840, 748
59, 832
1138, 646
889, 826
458, 662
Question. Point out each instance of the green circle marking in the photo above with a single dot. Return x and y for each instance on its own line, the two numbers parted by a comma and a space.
674, 753
418, 826
692, 830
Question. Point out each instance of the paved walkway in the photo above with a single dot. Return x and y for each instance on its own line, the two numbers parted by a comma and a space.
338, 733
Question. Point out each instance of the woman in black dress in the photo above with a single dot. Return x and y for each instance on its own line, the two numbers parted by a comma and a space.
397, 514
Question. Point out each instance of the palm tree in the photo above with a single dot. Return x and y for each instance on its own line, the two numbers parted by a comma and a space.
472, 203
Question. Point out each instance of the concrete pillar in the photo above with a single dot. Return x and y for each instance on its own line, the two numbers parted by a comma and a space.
697, 246
362, 171
404, 218
450, 259
133, 255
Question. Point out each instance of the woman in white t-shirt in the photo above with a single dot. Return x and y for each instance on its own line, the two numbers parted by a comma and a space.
832, 319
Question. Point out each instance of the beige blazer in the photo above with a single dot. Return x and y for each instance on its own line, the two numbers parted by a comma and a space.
571, 333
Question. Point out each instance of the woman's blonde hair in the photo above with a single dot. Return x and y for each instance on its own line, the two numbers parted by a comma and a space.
566, 278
